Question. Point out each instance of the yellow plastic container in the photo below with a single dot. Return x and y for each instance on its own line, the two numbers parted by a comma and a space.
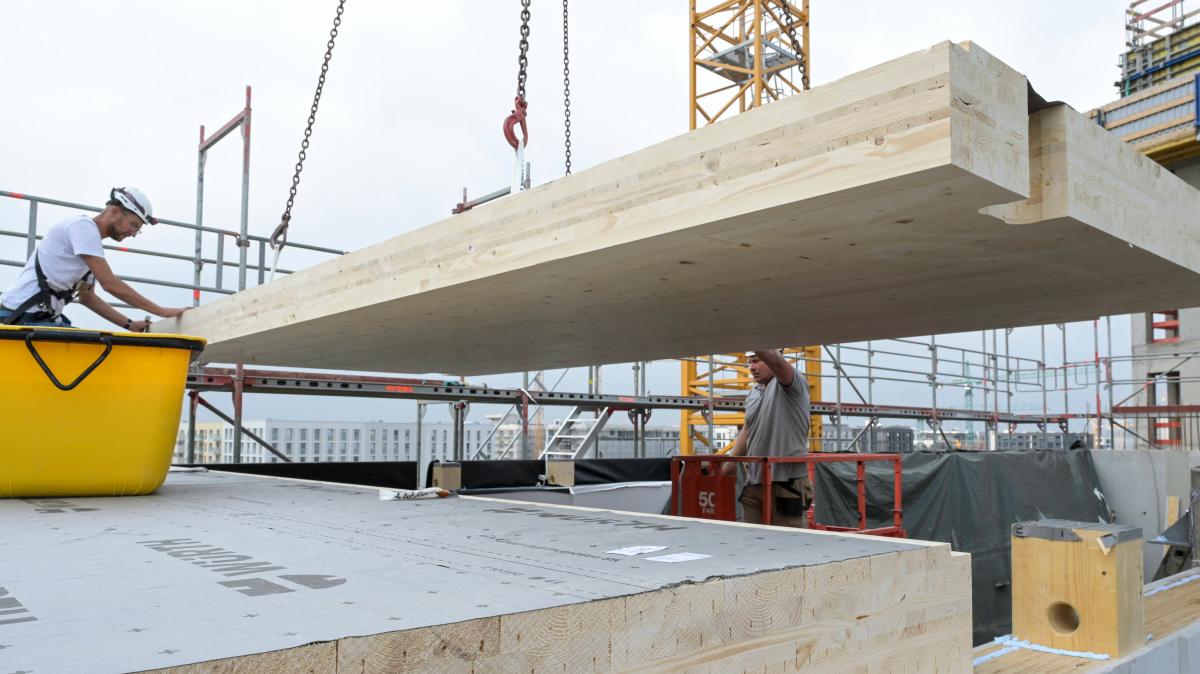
87, 413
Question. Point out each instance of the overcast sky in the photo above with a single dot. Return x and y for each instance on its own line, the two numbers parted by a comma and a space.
105, 93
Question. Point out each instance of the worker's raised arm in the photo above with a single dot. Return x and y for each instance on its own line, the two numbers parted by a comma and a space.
122, 290
778, 365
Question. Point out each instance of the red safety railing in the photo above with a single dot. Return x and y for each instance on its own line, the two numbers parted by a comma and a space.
699, 490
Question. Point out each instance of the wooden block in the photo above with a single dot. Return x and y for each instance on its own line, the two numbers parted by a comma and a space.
1172, 623
448, 476
561, 473
1078, 586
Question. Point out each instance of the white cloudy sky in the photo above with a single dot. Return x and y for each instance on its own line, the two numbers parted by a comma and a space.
104, 93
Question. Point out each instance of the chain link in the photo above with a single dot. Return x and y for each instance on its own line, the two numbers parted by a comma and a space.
566, 92
801, 58
522, 59
279, 236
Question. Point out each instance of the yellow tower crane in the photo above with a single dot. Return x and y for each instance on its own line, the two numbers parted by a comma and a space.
743, 54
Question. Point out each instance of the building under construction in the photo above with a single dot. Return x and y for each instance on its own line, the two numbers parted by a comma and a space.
983, 520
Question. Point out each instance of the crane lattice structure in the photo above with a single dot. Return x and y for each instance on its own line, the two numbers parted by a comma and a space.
743, 54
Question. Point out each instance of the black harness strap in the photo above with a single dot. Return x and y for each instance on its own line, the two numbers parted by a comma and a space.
44, 294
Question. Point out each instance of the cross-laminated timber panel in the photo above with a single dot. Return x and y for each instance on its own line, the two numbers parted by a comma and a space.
850, 212
226, 573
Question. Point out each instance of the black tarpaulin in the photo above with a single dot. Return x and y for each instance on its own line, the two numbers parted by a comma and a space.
494, 474
475, 474
971, 500
390, 474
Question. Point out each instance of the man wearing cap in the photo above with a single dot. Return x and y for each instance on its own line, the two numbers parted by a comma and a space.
70, 260
777, 420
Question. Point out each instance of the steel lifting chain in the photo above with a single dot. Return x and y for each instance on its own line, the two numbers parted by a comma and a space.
522, 58
566, 92
279, 236
520, 106
791, 32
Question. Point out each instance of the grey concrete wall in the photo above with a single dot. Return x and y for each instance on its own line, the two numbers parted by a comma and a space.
1158, 358
1189, 333
1136, 484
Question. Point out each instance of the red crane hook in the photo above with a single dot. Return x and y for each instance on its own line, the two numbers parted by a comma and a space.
517, 117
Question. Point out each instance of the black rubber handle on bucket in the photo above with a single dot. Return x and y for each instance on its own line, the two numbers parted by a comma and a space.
79, 336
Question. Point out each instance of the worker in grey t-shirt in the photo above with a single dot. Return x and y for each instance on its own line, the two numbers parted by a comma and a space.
777, 421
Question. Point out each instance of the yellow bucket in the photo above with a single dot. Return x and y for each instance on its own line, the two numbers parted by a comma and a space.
86, 413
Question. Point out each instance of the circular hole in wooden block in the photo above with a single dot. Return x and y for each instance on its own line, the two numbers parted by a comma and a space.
1064, 619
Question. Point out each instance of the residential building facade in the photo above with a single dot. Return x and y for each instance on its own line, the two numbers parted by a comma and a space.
326, 441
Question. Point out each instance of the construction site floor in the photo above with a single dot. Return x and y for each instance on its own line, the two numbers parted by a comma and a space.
216, 565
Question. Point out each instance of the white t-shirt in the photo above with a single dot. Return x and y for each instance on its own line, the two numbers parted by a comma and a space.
59, 255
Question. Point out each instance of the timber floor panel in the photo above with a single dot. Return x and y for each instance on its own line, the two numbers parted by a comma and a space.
916, 197
223, 572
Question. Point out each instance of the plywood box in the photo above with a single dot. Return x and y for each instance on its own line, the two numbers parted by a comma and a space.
448, 476
1077, 586
1172, 608
560, 472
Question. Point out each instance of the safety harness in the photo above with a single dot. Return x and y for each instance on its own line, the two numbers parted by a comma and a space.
43, 297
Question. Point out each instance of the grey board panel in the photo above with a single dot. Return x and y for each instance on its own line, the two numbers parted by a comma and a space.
85, 586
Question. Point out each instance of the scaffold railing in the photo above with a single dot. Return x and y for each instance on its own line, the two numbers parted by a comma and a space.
198, 261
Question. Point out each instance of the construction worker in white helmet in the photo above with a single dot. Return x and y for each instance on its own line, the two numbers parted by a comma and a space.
70, 260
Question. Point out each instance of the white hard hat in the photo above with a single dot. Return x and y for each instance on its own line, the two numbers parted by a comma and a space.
132, 199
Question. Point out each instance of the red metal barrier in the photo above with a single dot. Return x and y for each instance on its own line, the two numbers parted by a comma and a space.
699, 490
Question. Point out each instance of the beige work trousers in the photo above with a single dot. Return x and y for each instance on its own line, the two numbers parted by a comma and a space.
785, 501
